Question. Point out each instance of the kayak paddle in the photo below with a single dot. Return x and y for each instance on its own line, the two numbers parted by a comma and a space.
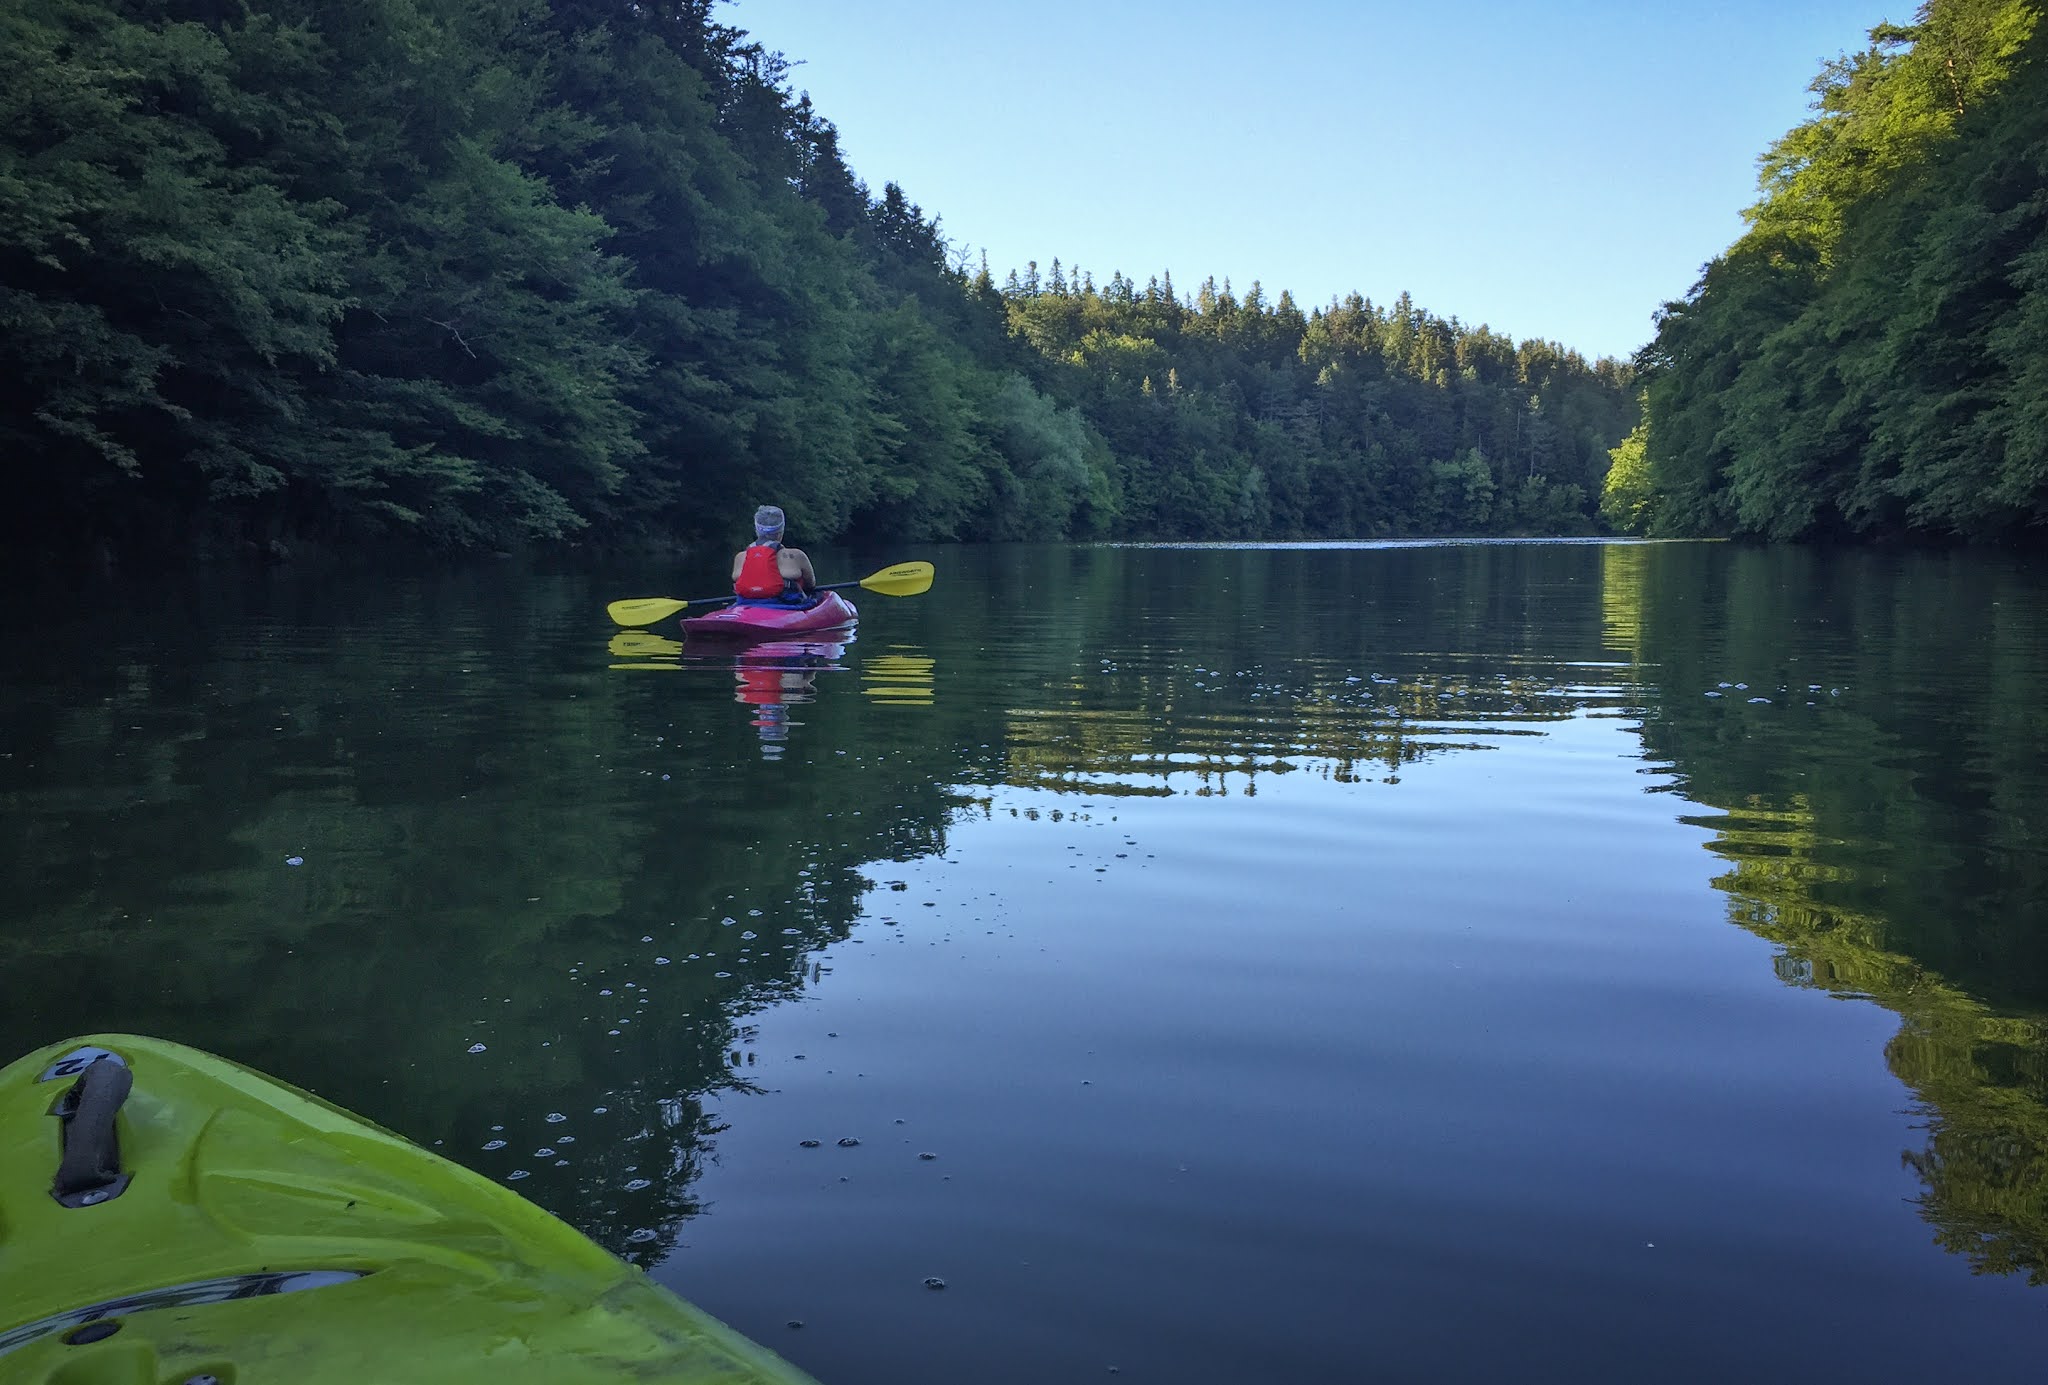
904, 579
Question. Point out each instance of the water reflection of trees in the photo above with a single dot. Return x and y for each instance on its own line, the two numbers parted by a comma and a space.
496, 828
491, 831
1260, 662
489, 841
1874, 815
1131, 735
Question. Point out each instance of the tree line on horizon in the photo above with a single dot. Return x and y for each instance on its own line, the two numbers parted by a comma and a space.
1870, 359
523, 273
1239, 417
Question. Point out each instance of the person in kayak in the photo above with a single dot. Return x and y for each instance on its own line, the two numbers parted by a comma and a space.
765, 570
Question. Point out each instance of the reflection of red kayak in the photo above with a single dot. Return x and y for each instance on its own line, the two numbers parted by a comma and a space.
772, 687
770, 620
824, 652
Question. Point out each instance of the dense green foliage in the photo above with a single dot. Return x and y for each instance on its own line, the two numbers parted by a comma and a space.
1871, 358
527, 271
1234, 417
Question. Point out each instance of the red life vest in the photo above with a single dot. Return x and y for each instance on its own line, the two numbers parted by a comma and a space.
760, 577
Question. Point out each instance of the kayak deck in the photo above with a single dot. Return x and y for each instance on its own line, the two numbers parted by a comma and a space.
264, 1235
769, 620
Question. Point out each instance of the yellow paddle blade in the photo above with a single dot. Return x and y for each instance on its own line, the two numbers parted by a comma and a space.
904, 579
644, 610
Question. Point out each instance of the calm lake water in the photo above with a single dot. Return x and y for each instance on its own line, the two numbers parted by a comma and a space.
1438, 963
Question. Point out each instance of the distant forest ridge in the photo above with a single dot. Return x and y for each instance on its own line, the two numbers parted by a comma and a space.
1870, 359
510, 273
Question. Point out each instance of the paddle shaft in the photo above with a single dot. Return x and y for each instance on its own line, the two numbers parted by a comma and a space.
904, 579
821, 587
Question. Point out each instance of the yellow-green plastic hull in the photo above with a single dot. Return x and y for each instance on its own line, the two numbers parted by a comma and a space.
364, 1258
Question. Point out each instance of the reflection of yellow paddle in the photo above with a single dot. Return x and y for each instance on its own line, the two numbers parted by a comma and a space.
904, 579
898, 680
644, 644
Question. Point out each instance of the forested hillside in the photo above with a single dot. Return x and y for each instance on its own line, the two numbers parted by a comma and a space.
524, 272
1871, 358
1229, 417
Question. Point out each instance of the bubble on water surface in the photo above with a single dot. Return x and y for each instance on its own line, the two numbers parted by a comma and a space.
809, 1144
476, 1048
516, 1175
634, 1185
639, 1236
555, 1118
494, 1144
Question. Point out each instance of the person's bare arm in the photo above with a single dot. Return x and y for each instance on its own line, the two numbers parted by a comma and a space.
738, 560
795, 563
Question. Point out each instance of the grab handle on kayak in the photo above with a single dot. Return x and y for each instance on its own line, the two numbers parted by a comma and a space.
89, 1171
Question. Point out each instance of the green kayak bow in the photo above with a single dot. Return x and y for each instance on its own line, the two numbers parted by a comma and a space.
169, 1216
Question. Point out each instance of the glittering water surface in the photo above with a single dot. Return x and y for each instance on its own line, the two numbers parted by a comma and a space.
1468, 962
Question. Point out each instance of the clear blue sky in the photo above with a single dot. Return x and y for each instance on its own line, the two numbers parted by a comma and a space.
1551, 169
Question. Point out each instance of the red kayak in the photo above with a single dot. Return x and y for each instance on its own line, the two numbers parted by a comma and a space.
767, 620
